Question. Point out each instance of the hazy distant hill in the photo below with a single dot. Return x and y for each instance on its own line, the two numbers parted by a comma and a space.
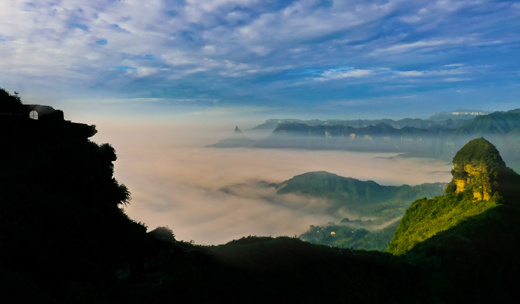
238, 139
497, 123
438, 137
501, 128
463, 114
271, 124
444, 120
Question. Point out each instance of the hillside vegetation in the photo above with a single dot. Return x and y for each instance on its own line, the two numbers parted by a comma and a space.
365, 198
481, 181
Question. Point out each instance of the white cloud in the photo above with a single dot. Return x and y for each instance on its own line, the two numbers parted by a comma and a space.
429, 73
343, 73
80, 42
421, 45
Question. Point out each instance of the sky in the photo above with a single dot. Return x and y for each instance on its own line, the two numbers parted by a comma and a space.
262, 58
161, 79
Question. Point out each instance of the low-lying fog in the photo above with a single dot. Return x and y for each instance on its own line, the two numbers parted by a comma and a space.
212, 195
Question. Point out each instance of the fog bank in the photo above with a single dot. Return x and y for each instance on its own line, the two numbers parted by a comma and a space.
212, 195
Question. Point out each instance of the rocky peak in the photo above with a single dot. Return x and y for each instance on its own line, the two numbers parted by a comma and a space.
476, 168
237, 131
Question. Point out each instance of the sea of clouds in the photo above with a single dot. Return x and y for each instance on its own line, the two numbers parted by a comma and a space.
212, 196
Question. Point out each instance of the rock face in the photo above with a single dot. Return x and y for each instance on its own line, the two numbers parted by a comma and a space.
476, 168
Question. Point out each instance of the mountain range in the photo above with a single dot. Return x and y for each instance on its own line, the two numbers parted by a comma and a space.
439, 139
438, 120
65, 239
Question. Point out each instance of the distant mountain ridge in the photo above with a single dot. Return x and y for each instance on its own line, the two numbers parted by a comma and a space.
458, 114
238, 139
439, 137
499, 123
438, 121
495, 123
501, 128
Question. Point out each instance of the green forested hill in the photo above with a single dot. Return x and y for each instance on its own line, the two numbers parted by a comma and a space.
348, 190
384, 204
427, 217
362, 197
495, 123
469, 236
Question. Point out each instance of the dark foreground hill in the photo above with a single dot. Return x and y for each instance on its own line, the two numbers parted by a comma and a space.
63, 236
64, 239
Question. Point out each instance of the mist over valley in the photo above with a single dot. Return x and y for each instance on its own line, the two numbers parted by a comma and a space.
212, 195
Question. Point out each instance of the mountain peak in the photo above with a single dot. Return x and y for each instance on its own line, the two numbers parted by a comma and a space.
476, 168
237, 130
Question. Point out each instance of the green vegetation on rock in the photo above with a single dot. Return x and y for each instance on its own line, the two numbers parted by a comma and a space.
427, 217
474, 189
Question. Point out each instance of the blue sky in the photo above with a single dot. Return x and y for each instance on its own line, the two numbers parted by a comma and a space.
263, 58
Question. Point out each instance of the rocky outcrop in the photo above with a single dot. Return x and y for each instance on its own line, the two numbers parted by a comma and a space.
476, 169
477, 178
